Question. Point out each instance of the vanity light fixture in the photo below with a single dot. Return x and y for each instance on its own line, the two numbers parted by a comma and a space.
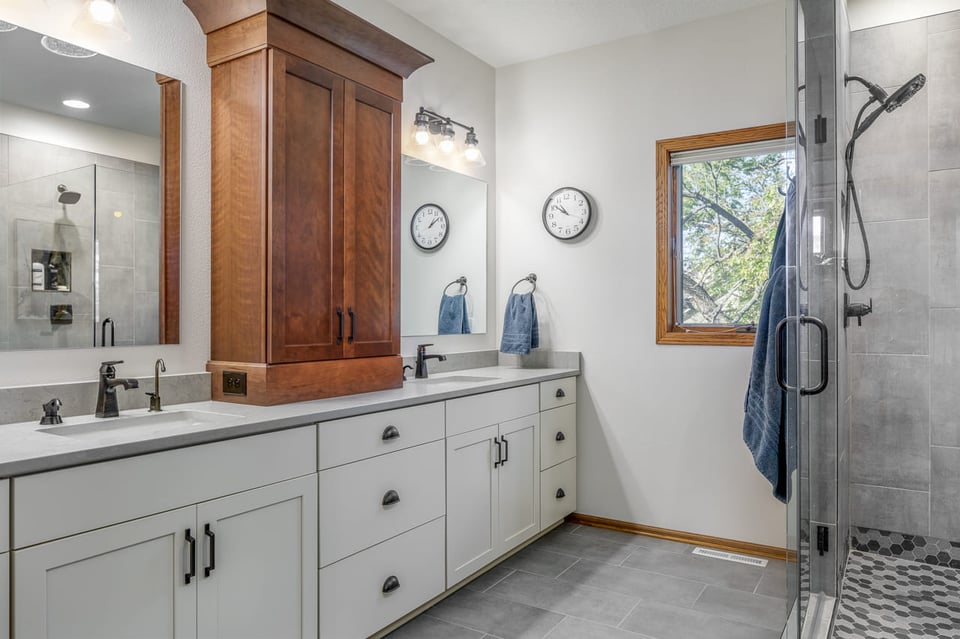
429, 126
64, 48
102, 19
6, 26
76, 104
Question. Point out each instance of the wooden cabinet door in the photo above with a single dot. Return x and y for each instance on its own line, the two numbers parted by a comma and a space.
371, 222
305, 212
519, 483
127, 581
472, 503
258, 566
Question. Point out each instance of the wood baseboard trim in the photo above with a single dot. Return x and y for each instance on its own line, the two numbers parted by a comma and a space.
719, 543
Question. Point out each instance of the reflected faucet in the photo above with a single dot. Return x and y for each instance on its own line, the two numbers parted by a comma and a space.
158, 367
107, 394
103, 332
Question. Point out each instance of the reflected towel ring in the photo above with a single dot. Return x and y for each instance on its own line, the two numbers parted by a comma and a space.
532, 278
462, 281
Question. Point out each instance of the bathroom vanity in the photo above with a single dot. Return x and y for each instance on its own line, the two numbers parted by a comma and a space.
326, 518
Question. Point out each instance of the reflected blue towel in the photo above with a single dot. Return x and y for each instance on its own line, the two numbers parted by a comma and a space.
453, 315
521, 330
765, 418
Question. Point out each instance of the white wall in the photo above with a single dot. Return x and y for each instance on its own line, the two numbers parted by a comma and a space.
659, 426
165, 38
865, 14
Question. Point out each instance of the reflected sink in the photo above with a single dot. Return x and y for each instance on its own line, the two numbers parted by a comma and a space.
141, 426
453, 379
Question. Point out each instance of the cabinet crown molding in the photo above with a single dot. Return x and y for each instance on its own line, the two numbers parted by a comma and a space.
322, 18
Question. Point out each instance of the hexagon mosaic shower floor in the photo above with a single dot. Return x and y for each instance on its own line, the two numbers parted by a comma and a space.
891, 598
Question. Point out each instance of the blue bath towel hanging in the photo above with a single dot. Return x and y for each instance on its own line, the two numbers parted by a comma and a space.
453, 318
521, 329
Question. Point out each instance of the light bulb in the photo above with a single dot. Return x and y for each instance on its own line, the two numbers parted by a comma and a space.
422, 135
102, 10
472, 152
76, 104
102, 19
447, 144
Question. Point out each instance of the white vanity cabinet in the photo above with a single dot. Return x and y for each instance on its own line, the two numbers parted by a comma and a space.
236, 557
558, 450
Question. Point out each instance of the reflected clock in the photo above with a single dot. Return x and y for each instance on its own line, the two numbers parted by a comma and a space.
430, 227
567, 213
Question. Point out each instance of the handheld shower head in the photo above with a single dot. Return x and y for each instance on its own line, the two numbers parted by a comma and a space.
904, 93
67, 196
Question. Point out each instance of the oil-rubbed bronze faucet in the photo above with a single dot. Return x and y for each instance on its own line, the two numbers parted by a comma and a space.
422, 357
107, 394
158, 367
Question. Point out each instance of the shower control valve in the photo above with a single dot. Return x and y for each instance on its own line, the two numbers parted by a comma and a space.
855, 309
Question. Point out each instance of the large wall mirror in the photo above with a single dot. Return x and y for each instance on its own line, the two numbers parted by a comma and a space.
443, 252
89, 198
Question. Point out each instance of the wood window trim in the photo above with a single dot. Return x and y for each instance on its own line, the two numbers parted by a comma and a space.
667, 330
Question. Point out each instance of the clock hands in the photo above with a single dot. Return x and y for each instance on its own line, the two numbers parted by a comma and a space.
434, 222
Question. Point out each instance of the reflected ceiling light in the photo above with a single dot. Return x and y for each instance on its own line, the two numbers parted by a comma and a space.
66, 49
76, 104
102, 19
429, 126
6, 26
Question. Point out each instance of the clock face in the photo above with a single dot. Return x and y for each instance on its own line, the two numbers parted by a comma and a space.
429, 227
566, 213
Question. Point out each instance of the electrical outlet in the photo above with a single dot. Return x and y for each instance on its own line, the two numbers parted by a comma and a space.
234, 383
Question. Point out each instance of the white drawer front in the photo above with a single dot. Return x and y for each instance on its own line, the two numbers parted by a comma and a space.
558, 492
558, 435
4, 515
352, 511
352, 601
559, 392
469, 413
355, 438
66, 502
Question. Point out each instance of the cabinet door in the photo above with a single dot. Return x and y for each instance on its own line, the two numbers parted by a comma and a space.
5, 595
471, 503
519, 482
258, 566
371, 222
305, 215
128, 580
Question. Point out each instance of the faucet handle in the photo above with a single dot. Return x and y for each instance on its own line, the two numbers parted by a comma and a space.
106, 368
422, 348
51, 412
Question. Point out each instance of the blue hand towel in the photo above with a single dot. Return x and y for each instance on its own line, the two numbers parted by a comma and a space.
765, 409
453, 315
521, 329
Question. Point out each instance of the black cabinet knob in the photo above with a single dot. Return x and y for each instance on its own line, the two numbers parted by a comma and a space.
391, 584
560, 393
390, 432
560, 436
560, 493
390, 498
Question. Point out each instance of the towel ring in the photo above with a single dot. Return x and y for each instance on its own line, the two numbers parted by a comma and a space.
532, 278
462, 281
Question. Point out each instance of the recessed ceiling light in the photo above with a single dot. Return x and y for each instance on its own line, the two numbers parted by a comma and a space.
66, 49
76, 104
6, 26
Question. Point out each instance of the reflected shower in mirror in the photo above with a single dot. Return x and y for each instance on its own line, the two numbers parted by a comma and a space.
443, 251
89, 197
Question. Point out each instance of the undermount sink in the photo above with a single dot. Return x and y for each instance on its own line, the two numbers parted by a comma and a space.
140, 426
453, 379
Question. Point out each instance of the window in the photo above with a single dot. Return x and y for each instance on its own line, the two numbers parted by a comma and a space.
719, 201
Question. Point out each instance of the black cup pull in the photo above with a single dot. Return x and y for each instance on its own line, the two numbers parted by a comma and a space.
560, 393
560, 436
391, 584
496, 440
340, 318
353, 324
560, 493
506, 451
390, 432
213, 550
390, 498
192, 543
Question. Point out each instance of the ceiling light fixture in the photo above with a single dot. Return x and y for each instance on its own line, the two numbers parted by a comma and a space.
102, 19
6, 26
429, 126
64, 48
76, 104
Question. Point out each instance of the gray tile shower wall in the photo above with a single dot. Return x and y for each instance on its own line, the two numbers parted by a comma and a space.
904, 432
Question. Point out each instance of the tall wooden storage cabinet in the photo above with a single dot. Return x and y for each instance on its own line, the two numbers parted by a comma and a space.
305, 247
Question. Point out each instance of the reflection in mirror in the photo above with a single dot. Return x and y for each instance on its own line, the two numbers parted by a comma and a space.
89, 197
444, 228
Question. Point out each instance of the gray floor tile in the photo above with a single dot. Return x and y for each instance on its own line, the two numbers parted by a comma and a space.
540, 562
707, 570
585, 547
489, 578
663, 621
735, 605
568, 527
573, 628
632, 582
566, 598
424, 627
628, 539
772, 585
502, 618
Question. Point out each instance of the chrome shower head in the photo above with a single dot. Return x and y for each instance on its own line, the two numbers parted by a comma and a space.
67, 196
904, 93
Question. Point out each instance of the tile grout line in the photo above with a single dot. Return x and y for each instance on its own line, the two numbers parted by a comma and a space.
557, 578
499, 581
629, 612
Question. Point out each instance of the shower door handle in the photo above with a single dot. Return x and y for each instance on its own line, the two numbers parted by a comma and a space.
824, 354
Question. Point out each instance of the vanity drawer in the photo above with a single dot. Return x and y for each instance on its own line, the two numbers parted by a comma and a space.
352, 511
355, 438
558, 492
558, 435
352, 598
476, 411
74, 500
559, 392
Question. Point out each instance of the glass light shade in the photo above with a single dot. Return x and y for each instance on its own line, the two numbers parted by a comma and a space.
473, 155
6, 26
102, 19
422, 135
446, 144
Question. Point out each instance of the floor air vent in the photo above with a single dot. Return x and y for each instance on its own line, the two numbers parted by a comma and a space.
729, 556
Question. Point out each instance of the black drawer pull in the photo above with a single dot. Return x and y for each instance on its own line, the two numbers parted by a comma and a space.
353, 324
560, 436
340, 318
192, 542
390, 432
560, 493
560, 393
390, 498
391, 584
496, 440
506, 451
213, 550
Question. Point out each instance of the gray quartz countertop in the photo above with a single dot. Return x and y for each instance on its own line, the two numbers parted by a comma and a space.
26, 449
